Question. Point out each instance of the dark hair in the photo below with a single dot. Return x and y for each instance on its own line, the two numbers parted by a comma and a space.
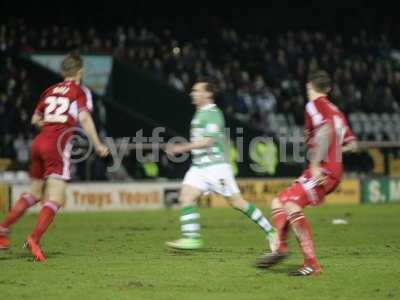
320, 81
210, 85
71, 64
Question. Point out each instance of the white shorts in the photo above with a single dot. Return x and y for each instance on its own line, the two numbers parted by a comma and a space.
216, 178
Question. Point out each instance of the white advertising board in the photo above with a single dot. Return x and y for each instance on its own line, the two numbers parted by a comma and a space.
112, 196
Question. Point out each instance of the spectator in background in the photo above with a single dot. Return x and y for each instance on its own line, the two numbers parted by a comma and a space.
395, 86
388, 102
176, 82
21, 148
370, 99
265, 101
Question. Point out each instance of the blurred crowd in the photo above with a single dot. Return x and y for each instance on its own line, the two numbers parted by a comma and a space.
16, 106
257, 73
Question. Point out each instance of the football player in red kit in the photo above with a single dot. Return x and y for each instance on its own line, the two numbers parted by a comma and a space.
59, 109
327, 135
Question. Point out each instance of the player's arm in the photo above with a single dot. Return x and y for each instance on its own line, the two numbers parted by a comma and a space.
37, 117
350, 143
322, 140
318, 118
187, 147
350, 147
212, 126
37, 120
86, 121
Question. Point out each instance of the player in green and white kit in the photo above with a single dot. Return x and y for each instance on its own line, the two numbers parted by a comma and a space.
210, 172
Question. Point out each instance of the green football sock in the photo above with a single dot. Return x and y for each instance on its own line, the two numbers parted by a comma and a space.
190, 222
257, 216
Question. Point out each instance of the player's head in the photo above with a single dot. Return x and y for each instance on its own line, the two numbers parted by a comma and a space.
319, 83
203, 92
72, 67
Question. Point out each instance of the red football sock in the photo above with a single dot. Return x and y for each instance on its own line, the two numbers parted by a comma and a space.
302, 230
23, 203
279, 218
45, 218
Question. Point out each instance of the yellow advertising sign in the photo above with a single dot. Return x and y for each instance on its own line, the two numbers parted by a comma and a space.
108, 196
257, 191
4, 197
394, 167
348, 192
378, 159
262, 191
117, 197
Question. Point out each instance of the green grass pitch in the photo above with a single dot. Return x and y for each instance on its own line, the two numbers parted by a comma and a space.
122, 256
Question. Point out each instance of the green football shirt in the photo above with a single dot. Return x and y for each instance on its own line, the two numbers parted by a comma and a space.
208, 122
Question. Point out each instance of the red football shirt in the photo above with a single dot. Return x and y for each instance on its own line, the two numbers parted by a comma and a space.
322, 111
60, 105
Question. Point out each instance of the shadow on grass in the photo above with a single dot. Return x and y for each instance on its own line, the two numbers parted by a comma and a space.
283, 268
27, 256
286, 268
198, 251
178, 252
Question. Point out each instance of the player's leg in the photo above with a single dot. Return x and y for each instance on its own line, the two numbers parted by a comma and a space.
255, 214
190, 227
281, 224
309, 193
55, 191
56, 170
302, 229
251, 211
26, 200
279, 218
221, 180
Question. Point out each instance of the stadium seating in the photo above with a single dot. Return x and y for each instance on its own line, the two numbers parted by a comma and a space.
375, 127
